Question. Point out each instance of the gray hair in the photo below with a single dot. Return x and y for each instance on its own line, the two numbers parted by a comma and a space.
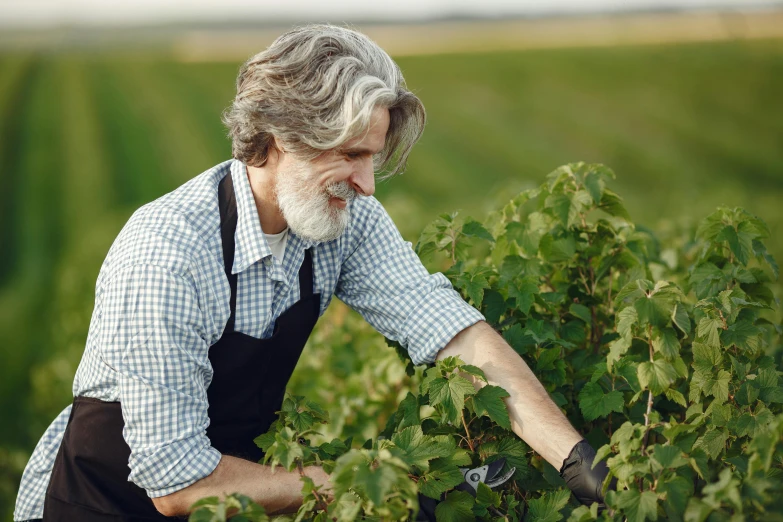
314, 89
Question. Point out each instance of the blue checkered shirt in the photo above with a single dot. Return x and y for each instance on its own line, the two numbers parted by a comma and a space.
162, 299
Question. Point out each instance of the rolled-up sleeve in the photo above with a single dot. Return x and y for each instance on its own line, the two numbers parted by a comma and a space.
384, 280
151, 332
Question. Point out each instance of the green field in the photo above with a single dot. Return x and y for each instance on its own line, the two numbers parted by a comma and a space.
87, 138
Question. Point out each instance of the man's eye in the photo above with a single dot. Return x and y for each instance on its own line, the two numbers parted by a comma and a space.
353, 155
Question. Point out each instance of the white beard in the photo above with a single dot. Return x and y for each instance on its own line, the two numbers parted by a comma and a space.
305, 206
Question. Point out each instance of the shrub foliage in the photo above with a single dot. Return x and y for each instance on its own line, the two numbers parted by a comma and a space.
666, 356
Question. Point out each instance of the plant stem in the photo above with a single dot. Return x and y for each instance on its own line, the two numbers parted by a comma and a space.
467, 433
649, 396
647, 421
453, 247
318, 498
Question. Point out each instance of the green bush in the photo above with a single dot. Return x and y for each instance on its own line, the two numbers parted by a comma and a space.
665, 355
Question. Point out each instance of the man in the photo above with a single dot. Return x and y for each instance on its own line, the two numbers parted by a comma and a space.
208, 295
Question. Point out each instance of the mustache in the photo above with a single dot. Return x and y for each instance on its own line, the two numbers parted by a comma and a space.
341, 190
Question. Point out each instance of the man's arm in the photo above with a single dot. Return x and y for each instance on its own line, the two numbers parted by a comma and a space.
277, 492
534, 417
152, 333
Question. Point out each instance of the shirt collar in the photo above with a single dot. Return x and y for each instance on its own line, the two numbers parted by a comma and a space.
251, 245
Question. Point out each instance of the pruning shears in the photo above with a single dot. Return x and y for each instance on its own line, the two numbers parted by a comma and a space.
488, 474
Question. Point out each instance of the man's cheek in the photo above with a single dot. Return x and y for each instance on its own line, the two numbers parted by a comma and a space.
334, 173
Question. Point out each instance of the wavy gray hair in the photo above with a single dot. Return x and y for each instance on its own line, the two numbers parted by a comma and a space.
314, 89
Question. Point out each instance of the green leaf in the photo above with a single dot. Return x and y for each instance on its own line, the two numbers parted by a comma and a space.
594, 403
486, 497
680, 319
626, 318
418, 449
300, 420
581, 311
654, 311
547, 507
747, 394
710, 227
376, 482
584, 514
516, 338
710, 383
675, 396
632, 291
706, 357
513, 450
616, 350
494, 306
473, 282
557, 250
698, 461
668, 456
743, 334
558, 205
489, 401
458, 507
740, 241
581, 201
638, 506
712, 442
474, 371
284, 450
450, 394
265, 440
524, 294
409, 409
751, 425
677, 490
442, 476
594, 183
707, 331
546, 360
612, 204
666, 343
476, 229
656, 376
540, 330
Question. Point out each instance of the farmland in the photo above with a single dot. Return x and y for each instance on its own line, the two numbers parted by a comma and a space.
87, 138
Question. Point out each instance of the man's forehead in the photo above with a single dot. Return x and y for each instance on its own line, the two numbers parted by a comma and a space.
374, 139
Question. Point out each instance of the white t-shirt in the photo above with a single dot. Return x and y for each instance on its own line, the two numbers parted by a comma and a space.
277, 243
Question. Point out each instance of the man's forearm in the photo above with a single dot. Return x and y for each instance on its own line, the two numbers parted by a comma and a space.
534, 417
278, 492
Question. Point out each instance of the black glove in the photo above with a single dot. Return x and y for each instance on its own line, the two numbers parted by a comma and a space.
584, 482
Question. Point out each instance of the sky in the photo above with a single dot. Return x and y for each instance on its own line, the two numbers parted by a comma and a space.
103, 13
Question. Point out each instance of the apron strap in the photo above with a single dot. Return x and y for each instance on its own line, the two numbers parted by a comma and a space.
228, 224
306, 276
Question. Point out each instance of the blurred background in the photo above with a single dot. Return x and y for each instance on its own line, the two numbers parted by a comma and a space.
106, 106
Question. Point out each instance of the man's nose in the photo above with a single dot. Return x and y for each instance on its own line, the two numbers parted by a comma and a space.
363, 178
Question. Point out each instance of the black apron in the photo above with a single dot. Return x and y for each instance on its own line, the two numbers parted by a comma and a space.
89, 480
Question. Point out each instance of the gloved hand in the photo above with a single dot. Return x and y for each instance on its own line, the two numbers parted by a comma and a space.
584, 482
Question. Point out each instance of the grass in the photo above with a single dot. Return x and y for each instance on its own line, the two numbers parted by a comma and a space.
86, 139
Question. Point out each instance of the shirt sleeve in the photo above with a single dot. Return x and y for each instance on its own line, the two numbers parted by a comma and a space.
151, 332
384, 280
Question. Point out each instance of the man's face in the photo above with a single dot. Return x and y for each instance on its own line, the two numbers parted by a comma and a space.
313, 196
